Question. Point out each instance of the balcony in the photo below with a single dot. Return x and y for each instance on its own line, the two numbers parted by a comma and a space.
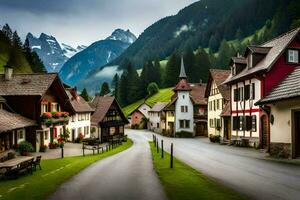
50, 118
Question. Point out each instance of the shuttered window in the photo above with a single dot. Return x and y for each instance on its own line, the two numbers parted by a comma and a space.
235, 124
236, 95
247, 92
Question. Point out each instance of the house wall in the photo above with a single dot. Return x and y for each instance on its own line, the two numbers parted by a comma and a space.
281, 129
279, 70
170, 118
246, 108
154, 119
75, 123
214, 112
144, 109
184, 100
136, 117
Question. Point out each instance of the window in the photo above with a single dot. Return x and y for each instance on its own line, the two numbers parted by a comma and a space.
293, 56
214, 104
183, 96
236, 96
241, 94
218, 123
86, 130
211, 123
184, 123
157, 125
247, 92
235, 123
112, 130
44, 108
121, 129
218, 105
54, 107
248, 123
21, 135
184, 108
252, 93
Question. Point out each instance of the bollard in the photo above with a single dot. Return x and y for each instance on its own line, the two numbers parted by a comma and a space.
162, 149
157, 148
83, 149
98, 149
154, 140
171, 157
106, 148
62, 152
153, 137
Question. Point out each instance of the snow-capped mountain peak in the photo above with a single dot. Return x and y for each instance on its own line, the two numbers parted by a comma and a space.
69, 51
122, 35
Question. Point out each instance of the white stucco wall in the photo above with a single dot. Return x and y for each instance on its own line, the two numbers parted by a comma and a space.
74, 125
214, 113
144, 108
281, 129
184, 100
154, 119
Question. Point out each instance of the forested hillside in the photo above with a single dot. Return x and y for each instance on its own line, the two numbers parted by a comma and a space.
16, 54
208, 23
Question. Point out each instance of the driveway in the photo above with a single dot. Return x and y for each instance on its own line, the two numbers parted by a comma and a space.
241, 169
128, 175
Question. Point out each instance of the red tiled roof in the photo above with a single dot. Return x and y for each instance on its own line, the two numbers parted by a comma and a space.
219, 76
182, 85
11, 121
226, 112
198, 93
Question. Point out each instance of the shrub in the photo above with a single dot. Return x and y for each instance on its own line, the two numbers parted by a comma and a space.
43, 148
25, 147
152, 88
184, 134
212, 138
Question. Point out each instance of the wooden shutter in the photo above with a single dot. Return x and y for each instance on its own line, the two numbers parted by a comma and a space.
248, 123
253, 90
235, 122
236, 95
247, 92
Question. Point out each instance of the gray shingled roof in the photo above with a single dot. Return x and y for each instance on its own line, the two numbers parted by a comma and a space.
288, 88
277, 47
78, 103
158, 107
10, 121
26, 84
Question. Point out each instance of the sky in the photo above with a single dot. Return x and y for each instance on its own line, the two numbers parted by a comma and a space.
81, 22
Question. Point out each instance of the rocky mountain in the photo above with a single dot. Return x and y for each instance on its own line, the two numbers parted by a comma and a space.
53, 54
206, 24
95, 56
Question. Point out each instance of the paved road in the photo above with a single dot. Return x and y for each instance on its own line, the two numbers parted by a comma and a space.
126, 176
243, 170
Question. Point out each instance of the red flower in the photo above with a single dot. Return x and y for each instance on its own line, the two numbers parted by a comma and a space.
47, 115
66, 114
57, 114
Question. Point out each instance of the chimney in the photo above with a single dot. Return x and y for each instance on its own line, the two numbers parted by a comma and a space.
8, 71
73, 92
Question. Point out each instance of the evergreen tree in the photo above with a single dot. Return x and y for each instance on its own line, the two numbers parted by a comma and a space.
157, 72
203, 64
172, 71
33, 59
7, 32
213, 44
104, 89
190, 67
16, 40
115, 85
84, 94
123, 89
133, 83
152, 89
226, 51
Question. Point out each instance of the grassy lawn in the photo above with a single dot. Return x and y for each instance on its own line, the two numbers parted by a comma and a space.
164, 95
184, 182
54, 172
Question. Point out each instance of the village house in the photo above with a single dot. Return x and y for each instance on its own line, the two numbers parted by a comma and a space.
80, 122
13, 127
218, 96
135, 117
108, 119
252, 78
187, 110
283, 103
157, 117
39, 97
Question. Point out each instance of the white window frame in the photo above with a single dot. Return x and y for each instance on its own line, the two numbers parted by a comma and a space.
293, 56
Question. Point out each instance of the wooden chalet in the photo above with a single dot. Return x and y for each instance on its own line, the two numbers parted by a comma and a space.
39, 97
108, 118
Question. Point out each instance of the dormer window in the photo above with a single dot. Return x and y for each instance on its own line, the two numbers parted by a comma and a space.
233, 70
293, 56
250, 61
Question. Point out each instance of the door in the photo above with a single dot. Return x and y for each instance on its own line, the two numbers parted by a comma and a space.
73, 135
296, 134
264, 132
38, 141
227, 128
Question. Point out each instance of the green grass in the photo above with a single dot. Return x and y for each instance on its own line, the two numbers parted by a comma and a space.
56, 171
164, 95
184, 182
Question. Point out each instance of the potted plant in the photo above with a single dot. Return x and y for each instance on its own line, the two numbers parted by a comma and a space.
24, 148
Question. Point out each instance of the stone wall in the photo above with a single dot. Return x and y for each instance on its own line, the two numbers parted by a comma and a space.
281, 150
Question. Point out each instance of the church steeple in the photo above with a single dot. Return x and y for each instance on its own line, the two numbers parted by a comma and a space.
182, 74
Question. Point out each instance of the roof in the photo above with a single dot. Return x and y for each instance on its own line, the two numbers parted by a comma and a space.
78, 103
198, 93
258, 49
276, 49
101, 105
10, 121
240, 60
26, 84
159, 106
226, 112
287, 89
182, 85
182, 74
219, 76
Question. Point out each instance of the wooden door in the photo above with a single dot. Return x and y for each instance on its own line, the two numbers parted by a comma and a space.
297, 134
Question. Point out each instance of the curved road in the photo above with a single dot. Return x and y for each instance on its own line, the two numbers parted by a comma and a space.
128, 175
242, 169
